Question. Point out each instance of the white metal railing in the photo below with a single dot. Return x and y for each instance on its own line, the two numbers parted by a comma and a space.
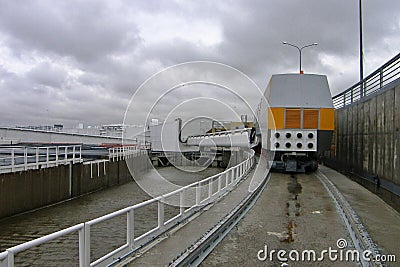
124, 152
22, 158
200, 193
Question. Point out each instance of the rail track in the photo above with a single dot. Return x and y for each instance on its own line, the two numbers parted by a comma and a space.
359, 235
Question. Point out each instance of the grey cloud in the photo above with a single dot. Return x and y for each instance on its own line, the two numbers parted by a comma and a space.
85, 30
47, 74
87, 58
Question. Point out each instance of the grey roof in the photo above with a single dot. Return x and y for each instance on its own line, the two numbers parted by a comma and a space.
299, 90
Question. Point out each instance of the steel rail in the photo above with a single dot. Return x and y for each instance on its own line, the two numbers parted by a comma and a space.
359, 235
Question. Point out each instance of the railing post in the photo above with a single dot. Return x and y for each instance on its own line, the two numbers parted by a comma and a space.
210, 182
344, 98
182, 202
66, 154
130, 227
47, 157
380, 78
161, 213
37, 157
219, 183
82, 256
80, 152
198, 192
57, 155
10, 259
226, 180
351, 95
86, 250
73, 153
25, 158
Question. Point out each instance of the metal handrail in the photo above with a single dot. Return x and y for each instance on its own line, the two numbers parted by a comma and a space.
374, 82
220, 183
123, 152
22, 158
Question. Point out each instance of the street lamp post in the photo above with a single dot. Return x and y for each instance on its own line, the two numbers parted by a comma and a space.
300, 49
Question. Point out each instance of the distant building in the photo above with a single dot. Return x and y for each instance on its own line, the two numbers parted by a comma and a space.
47, 128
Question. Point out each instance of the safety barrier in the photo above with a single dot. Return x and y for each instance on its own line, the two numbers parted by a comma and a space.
200, 193
123, 152
387, 73
22, 158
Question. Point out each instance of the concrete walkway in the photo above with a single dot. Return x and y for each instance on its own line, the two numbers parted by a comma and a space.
177, 242
381, 220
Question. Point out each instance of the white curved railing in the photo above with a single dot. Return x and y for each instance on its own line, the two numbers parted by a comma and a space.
202, 192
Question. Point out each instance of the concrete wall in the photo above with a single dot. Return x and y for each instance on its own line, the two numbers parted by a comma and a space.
368, 135
32, 189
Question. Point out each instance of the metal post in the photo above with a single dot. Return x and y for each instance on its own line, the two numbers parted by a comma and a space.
210, 182
66, 154
70, 180
361, 51
130, 224
47, 157
380, 78
300, 60
10, 259
73, 153
219, 183
82, 256
37, 157
182, 202
198, 191
160, 213
25, 158
87, 245
57, 155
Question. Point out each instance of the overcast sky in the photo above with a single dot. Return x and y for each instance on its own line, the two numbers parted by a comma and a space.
76, 62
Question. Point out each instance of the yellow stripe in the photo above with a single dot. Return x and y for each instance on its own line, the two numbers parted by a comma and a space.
327, 119
276, 118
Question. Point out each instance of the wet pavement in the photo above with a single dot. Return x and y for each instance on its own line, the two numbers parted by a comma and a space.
293, 213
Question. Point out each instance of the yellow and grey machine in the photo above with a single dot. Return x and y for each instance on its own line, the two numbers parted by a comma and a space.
300, 120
